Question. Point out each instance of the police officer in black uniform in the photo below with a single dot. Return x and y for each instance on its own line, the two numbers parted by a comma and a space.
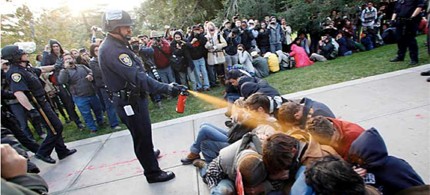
125, 77
406, 18
25, 84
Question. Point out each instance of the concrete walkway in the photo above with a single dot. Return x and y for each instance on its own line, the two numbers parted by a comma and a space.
397, 104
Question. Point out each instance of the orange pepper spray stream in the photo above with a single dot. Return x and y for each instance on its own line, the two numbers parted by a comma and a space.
215, 101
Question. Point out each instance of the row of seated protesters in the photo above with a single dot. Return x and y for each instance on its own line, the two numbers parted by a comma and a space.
274, 145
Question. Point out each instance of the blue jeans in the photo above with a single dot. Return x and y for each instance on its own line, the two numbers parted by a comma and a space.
225, 186
208, 132
210, 149
110, 108
300, 186
200, 67
85, 105
166, 75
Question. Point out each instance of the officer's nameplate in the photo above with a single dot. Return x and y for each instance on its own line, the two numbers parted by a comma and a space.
125, 59
16, 77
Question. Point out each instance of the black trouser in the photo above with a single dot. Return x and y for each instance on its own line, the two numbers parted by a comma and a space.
406, 31
20, 114
215, 71
68, 104
140, 128
9, 121
52, 141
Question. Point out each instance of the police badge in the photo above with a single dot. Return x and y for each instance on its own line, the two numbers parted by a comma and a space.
16, 77
125, 59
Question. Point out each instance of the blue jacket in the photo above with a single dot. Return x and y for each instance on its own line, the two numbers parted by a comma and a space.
391, 174
319, 109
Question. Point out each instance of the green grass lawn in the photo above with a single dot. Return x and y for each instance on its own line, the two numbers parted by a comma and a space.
357, 66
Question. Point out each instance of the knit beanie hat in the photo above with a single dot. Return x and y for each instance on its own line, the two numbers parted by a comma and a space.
250, 164
54, 41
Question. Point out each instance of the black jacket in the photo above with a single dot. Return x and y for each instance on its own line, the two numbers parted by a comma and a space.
197, 49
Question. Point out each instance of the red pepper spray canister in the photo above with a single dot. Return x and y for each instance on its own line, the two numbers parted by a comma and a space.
182, 98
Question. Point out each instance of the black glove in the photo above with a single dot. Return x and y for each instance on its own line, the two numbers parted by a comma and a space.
175, 89
35, 116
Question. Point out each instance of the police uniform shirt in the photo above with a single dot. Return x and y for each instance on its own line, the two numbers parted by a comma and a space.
25, 79
121, 67
405, 8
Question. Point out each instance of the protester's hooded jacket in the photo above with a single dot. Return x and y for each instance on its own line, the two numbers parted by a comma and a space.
313, 108
391, 174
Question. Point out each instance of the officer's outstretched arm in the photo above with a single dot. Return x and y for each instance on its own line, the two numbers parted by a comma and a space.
151, 85
23, 100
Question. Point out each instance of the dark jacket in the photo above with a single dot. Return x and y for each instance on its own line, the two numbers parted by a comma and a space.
97, 73
246, 39
319, 109
261, 67
343, 46
327, 50
263, 39
249, 88
182, 53
75, 78
232, 43
26, 184
197, 49
391, 174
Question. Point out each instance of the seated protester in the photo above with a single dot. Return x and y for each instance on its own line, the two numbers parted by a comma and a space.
272, 61
366, 40
221, 173
326, 50
336, 133
7, 137
284, 61
387, 173
162, 54
286, 159
300, 56
297, 114
249, 88
260, 65
79, 78
330, 175
231, 87
304, 43
14, 176
245, 59
345, 48
263, 41
389, 35
211, 139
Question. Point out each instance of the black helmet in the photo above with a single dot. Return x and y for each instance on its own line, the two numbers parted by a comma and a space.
115, 18
12, 53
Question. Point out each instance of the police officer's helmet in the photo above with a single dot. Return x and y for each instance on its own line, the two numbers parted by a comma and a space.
12, 53
116, 18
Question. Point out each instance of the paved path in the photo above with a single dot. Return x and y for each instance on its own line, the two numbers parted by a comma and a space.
397, 104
